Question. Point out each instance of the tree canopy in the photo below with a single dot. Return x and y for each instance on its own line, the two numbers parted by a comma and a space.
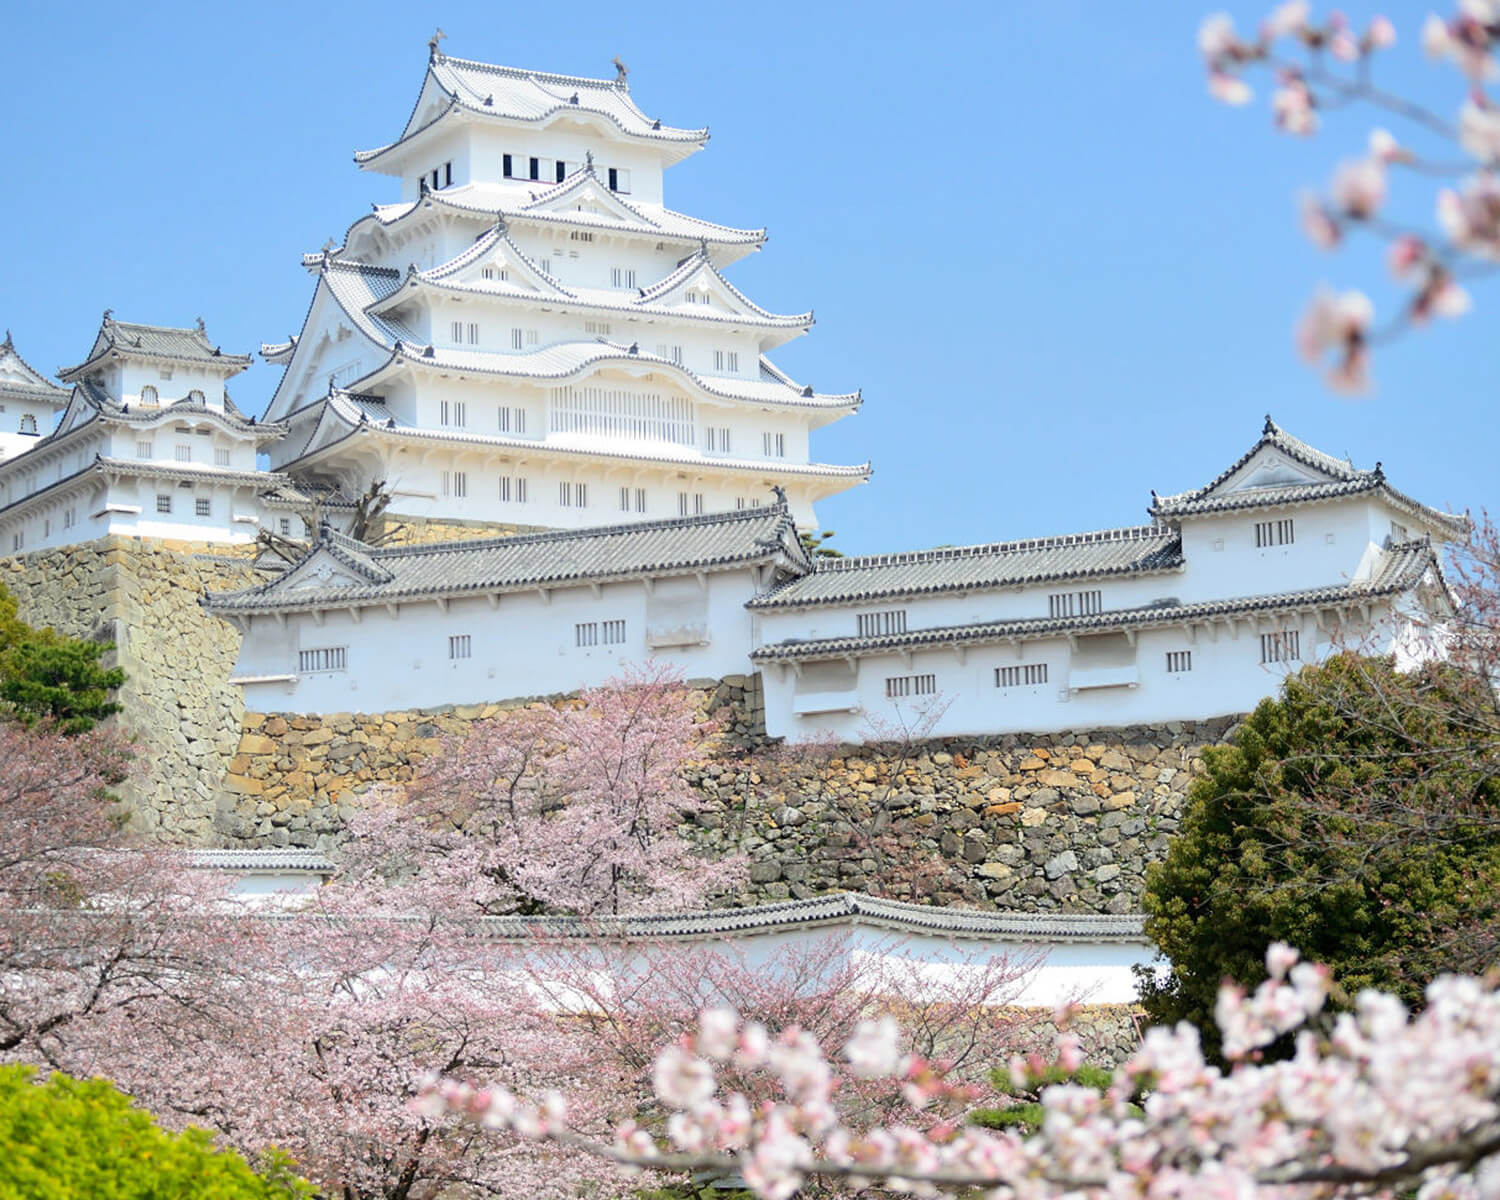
45, 676
72, 1139
1354, 816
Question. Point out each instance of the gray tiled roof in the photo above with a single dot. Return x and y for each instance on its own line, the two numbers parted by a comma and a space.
231, 418
146, 470
154, 341
19, 378
259, 860
842, 908
711, 542
1341, 478
1134, 551
1404, 565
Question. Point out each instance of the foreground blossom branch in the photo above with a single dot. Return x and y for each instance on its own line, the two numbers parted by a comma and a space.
1333, 69
1369, 1102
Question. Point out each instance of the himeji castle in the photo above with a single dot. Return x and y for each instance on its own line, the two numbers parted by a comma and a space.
529, 336
1286, 556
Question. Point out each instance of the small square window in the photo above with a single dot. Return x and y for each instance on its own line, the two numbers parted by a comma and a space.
202, 506
163, 503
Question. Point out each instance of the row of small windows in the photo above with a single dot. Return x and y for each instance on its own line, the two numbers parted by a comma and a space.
439, 177
202, 505
594, 633
323, 658
1021, 675
520, 166
900, 686
1274, 533
1075, 604
150, 396
181, 452
880, 624
1284, 646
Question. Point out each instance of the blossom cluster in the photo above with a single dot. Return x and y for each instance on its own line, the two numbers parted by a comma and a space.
1370, 1101
1334, 70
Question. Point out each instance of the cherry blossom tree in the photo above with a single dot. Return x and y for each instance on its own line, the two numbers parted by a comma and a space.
1323, 66
1375, 1102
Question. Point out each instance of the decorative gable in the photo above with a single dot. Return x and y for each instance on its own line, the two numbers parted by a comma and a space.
322, 570
1270, 469
585, 193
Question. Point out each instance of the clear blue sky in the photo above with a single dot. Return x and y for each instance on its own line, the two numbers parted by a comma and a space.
1061, 274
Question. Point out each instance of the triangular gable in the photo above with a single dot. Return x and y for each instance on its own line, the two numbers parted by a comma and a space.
330, 337
1269, 467
512, 272
329, 567
432, 101
584, 192
696, 284
16, 372
81, 410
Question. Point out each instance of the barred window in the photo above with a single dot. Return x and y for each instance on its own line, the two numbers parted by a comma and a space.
1179, 661
183, 453
879, 624
1283, 646
586, 633
323, 658
513, 489
573, 495
143, 449
689, 504
163, 503
460, 645
773, 445
614, 633
1273, 533
202, 506
897, 686
1021, 675
623, 412
221, 456
1075, 604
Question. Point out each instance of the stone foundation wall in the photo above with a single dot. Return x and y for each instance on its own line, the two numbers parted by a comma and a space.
178, 704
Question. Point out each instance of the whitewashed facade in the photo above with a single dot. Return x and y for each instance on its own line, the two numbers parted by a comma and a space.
29, 403
149, 444
1283, 557
530, 336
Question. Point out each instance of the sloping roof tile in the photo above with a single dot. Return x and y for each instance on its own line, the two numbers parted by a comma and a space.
154, 341
1133, 551
710, 542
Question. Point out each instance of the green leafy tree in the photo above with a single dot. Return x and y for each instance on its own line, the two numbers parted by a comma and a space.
816, 544
1357, 817
72, 1139
47, 677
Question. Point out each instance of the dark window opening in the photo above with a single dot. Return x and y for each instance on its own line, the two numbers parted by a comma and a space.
505, 165
562, 170
536, 168
448, 174
614, 179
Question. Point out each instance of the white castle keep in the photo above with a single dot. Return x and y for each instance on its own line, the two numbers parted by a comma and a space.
529, 338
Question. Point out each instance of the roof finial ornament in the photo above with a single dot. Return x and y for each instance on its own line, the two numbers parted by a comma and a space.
432, 43
622, 72
588, 158
703, 246
1270, 427
109, 316
328, 246
779, 492
202, 328
7, 344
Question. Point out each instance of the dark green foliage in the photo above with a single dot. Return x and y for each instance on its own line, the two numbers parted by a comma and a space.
1357, 817
71, 1139
1024, 1115
816, 544
45, 677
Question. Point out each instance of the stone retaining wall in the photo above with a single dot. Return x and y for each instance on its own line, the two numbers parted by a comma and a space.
420, 531
178, 704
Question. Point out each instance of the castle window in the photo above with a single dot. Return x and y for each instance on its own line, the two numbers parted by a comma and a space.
535, 165
323, 658
69, 517
512, 489
47, 528
899, 686
622, 277
727, 360
17, 540
182, 453
456, 484
453, 412
670, 353
447, 174
460, 645
716, 439
511, 420
143, 449
148, 394
883, 623
284, 526
573, 495
1021, 675
28, 423
582, 235
623, 412
1273, 533
1398, 532
1075, 604
687, 500
742, 502
505, 165
586, 633
163, 502
614, 633
1179, 661
1283, 646
221, 456
202, 506
619, 180
601, 328
562, 170
546, 265
773, 445
195, 397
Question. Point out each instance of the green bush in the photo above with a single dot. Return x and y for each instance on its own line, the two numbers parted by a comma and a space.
45, 676
1356, 817
70, 1139
1024, 1113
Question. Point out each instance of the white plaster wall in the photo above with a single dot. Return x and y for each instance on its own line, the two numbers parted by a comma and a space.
524, 646
1227, 677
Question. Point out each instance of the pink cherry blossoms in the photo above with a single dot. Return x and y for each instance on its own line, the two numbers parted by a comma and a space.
1318, 67
1373, 1102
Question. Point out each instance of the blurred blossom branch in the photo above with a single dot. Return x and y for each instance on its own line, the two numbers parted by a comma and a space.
1318, 68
